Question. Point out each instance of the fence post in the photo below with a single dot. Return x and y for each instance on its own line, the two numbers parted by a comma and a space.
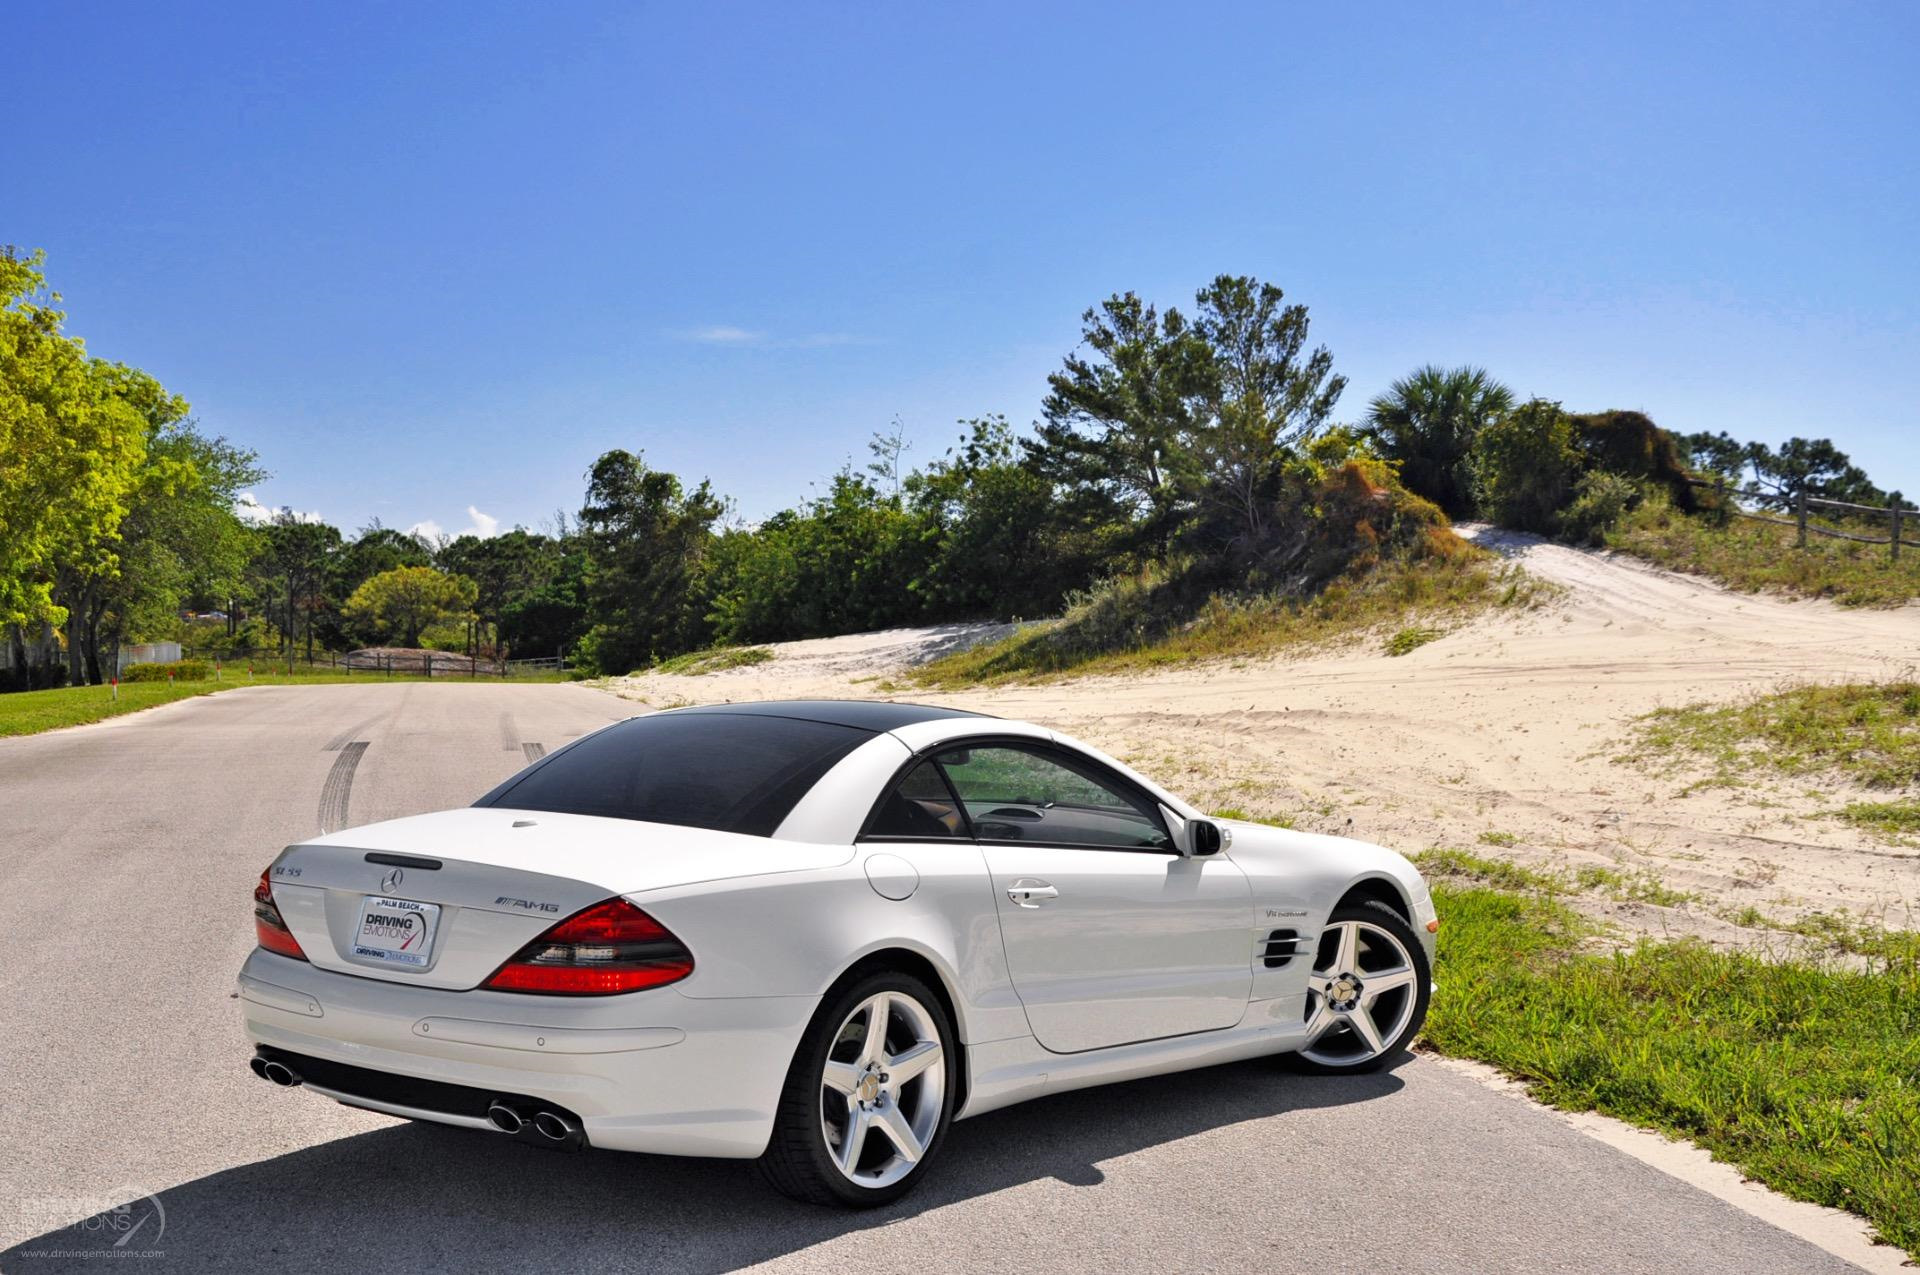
1800, 514
1893, 549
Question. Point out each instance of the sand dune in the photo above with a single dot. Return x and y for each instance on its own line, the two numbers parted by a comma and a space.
1504, 727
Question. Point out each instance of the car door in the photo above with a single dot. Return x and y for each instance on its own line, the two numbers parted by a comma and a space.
1112, 936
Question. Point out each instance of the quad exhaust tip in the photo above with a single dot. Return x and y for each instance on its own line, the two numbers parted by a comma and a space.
505, 1118
555, 1127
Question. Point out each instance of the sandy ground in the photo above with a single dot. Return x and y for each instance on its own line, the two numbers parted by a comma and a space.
1505, 728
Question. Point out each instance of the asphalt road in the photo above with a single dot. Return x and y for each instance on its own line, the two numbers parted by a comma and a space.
128, 853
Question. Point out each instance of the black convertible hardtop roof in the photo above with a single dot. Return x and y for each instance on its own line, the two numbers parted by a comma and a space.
861, 714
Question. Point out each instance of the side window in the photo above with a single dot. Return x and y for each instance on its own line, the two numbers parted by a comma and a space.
920, 806
1013, 794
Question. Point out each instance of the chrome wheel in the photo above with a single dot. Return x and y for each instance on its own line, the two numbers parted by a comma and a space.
1362, 994
883, 1089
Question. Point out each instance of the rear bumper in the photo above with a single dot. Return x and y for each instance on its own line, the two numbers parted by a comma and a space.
654, 1071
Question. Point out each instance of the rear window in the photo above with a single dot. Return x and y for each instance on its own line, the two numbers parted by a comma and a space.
730, 773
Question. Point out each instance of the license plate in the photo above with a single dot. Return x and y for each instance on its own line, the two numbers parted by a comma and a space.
396, 931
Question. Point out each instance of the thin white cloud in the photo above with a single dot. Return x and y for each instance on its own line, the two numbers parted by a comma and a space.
248, 509
428, 528
723, 334
727, 334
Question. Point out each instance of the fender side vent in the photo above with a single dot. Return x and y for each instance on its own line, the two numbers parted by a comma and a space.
1280, 948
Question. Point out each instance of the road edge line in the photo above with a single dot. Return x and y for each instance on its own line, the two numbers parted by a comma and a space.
1834, 1231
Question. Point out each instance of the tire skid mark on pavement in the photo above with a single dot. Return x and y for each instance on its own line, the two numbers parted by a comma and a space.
534, 752
346, 736
509, 736
338, 790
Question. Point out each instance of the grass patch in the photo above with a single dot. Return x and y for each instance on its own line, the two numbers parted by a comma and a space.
1126, 625
1492, 838
719, 659
1630, 887
1235, 813
30, 712
1412, 639
1464, 865
1619, 884
1868, 733
1758, 557
1893, 820
1803, 1075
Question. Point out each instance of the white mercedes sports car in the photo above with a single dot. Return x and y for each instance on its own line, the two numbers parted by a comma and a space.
815, 933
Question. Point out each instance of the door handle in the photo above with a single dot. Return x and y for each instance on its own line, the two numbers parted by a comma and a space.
1031, 894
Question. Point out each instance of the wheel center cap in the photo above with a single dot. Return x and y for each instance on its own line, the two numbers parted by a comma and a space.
869, 1087
1344, 991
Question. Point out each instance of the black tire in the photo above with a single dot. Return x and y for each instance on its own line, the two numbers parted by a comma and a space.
1381, 917
798, 1161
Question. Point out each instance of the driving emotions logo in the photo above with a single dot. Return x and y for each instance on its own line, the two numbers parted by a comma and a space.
126, 1223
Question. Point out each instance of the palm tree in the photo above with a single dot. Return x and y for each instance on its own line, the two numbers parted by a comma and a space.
1427, 421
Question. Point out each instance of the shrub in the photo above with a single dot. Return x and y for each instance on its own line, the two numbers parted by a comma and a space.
1524, 465
181, 670
1600, 500
1630, 444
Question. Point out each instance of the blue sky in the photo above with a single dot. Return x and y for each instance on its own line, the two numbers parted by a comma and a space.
430, 260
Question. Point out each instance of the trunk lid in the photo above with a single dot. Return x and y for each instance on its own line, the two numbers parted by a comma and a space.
503, 878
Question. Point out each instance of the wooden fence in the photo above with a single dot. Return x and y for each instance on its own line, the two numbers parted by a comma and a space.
1899, 517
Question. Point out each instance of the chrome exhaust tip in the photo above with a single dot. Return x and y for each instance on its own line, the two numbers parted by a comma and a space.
555, 1127
279, 1073
505, 1118
258, 1066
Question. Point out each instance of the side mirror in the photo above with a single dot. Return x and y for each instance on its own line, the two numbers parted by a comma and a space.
1205, 837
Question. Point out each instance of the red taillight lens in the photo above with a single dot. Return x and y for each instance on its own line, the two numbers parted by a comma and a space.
608, 948
267, 925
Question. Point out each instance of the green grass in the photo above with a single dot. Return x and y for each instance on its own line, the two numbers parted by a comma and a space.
1759, 557
1492, 838
1621, 884
1465, 865
1865, 733
1242, 816
1892, 820
1115, 631
718, 659
1412, 638
1802, 1074
30, 712
1629, 887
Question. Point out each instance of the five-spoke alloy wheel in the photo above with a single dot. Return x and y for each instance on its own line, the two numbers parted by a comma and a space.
1368, 992
869, 1097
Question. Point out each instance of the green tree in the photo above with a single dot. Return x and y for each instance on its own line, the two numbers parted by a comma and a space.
91, 575
406, 601
1812, 465
1524, 465
1721, 455
504, 569
645, 538
844, 562
294, 567
179, 540
551, 618
71, 448
1259, 395
994, 544
1114, 419
1427, 422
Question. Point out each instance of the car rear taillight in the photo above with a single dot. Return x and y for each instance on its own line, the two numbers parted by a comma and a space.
608, 948
267, 925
